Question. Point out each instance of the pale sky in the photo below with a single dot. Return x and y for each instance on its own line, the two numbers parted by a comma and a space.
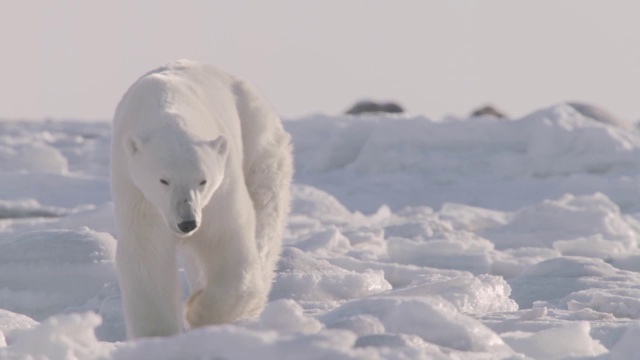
75, 59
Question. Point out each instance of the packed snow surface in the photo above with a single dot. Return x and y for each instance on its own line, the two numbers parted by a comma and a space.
409, 238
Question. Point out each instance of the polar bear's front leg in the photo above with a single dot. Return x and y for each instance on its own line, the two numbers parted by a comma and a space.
218, 305
149, 283
234, 285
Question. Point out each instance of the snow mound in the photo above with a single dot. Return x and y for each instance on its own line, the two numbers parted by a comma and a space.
320, 205
32, 158
44, 272
231, 342
551, 281
431, 318
58, 190
10, 321
26, 208
287, 316
108, 304
301, 277
420, 236
473, 295
621, 302
99, 218
58, 338
628, 346
599, 114
576, 342
55, 146
561, 224
563, 141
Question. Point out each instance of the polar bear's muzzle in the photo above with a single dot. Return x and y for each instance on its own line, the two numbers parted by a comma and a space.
186, 215
187, 226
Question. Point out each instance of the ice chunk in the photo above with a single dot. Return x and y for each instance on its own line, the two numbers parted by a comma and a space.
432, 318
568, 341
301, 277
287, 316
480, 294
593, 246
10, 321
324, 243
361, 324
315, 203
567, 218
617, 302
551, 280
471, 255
398, 275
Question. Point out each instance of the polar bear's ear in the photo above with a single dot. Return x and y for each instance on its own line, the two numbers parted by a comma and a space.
132, 144
220, 145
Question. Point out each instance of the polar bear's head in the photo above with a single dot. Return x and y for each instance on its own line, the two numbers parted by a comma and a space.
178, 176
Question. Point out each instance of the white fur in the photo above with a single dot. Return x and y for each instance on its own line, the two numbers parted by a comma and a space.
194, 144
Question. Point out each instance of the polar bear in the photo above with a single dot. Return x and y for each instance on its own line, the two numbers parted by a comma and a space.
200, 167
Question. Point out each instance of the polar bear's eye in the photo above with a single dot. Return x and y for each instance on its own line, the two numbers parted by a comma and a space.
203, 182
164, 182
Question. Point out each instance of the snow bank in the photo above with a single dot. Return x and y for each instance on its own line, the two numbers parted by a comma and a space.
465, 161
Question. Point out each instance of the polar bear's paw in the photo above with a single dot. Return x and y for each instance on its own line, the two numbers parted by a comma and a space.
205, 308
194, 312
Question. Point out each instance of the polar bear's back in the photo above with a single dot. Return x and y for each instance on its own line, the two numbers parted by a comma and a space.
268, 169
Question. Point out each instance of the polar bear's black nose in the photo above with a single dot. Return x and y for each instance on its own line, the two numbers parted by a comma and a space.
187, 226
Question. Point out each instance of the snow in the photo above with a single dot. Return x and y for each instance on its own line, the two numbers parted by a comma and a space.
409, 238
576, 342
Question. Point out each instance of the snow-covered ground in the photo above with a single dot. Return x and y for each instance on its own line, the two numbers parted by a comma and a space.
409, 238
